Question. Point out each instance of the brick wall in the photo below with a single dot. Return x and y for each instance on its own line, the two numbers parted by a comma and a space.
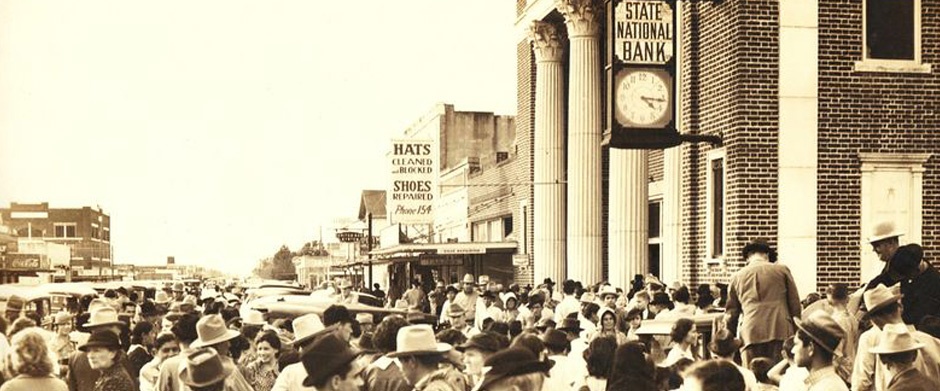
523, 154
863, 112
730, 61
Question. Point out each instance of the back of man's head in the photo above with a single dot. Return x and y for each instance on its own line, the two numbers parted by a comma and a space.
716, 375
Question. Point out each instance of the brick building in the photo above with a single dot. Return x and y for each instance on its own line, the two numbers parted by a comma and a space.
86, 230
828, 114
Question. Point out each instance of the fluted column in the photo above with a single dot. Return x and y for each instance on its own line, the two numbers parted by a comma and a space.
549, 237
582, 18
629, 215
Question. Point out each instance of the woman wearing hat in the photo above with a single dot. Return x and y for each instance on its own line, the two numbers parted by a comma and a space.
607, 326
102, 350
30, 363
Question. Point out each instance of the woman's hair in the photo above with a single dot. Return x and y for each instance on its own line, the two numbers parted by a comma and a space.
681, 329
760, 366
29, 354
705, 298
631, 369
386, 333
452, 337
530, 342
21, 324
270, 337
600, 356
682, 295
717, 375
140, 329
529, 381
163, 339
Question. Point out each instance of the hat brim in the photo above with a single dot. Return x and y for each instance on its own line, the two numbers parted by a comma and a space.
114, 323
519, 369
572, 329
874, 239
441, 348
909, 348
228, 335
820, 342
895, 298
187, 379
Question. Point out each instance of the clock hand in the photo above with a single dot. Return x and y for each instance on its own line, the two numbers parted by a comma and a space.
647, 99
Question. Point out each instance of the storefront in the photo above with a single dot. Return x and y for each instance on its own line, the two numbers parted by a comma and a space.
447, 262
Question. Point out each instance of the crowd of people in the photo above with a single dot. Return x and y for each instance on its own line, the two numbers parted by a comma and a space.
753, 333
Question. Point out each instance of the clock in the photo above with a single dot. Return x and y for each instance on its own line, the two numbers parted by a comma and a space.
643, 98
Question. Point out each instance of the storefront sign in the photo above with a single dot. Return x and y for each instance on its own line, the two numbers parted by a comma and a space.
414, 181
24, 261
643, 32
463, 250
441, 262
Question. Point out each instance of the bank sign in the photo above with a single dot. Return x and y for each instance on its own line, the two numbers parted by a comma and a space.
414, 181
643, 32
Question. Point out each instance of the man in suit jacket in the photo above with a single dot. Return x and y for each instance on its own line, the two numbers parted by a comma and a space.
764, 295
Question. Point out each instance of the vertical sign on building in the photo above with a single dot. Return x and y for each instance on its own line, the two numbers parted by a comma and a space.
414, 181
641, 88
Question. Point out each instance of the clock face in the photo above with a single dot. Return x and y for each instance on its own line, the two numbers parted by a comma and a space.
643, 98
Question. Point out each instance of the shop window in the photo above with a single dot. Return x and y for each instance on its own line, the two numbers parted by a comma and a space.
655, 236
715, 231
507, 225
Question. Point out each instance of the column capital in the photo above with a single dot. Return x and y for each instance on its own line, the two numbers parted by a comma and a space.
583, 17
545, 41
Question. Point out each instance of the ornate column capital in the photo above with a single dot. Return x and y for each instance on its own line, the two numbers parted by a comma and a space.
545, 41
583, 17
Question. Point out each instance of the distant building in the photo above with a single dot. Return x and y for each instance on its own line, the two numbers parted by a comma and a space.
86, 231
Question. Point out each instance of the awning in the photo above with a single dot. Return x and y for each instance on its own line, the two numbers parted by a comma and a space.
419, 249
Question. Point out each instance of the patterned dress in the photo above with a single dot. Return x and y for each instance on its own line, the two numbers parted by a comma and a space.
114, 378
258, 377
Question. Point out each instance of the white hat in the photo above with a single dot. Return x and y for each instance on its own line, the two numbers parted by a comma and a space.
254, 317
162, 298
896, 339
607, 290
212, 330
468, 278
306, 327
418, 340
104, 316
884, 230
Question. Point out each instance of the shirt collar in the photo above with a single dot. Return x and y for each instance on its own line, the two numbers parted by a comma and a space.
817, 375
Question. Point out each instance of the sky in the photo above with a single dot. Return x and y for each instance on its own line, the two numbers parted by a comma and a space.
215, 131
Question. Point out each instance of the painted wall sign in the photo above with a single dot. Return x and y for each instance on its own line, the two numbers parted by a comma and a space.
643, 32
414, 165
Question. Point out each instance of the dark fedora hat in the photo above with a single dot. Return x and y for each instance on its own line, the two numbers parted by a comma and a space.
204, 367
102, 338
569, 324
324, 357
511, 362
724, 343
484, 341
556, 340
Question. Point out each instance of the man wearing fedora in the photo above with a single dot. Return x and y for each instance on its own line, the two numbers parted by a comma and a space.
476, 351
419, 355
456, 315
103, 318
884, 309
331, 365
307, 328
885, 240
204, 370
515, 369
897, 350
724, 345
816, 341
762, 298
213, 333
920, 283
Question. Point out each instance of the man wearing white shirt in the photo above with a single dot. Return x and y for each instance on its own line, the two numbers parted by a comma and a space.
569, 303
307, 329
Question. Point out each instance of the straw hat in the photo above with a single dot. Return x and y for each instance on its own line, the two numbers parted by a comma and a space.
105, 316
62, 317
418, 340
881, 296
204, 367
365, 318
162, 298
212, 330
306, 327
254, 318
483, 279
895, 338
587, 297
455, 310
606, 291
884, 230
468, 278
823, 329
97, 304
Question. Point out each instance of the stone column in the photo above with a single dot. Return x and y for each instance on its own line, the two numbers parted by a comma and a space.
629, 215
549, 236
582, 18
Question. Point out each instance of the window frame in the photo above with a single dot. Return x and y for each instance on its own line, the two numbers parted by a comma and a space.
65, 226
710, 255
916, 65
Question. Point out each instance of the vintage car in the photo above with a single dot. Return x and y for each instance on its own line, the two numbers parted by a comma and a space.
62, 292
24, 298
